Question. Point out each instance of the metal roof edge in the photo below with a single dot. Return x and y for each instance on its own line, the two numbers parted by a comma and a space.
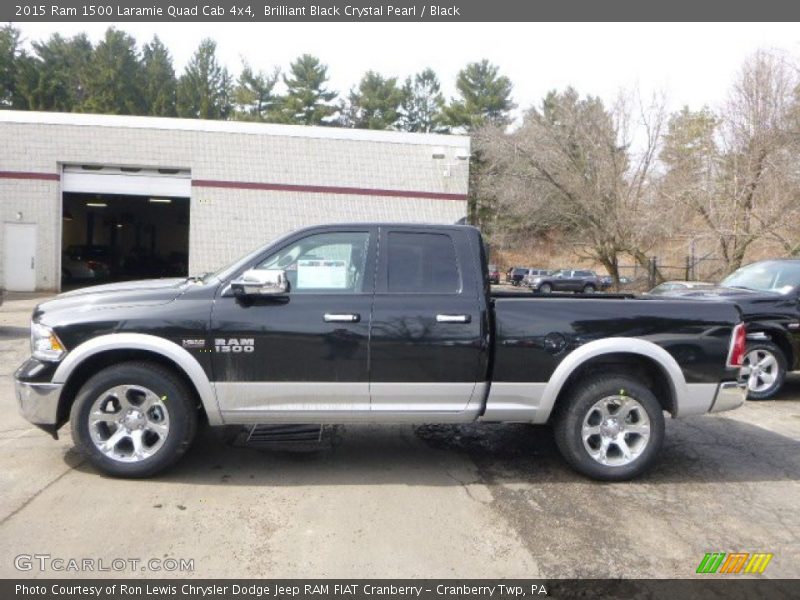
242, 127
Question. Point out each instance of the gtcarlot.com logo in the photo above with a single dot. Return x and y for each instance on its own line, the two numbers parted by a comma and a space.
731, 563
47, 562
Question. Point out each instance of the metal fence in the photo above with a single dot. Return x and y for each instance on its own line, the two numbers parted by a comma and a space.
697, 268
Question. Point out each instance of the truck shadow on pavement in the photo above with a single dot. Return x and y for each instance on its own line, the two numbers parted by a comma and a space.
14, 333
696, 450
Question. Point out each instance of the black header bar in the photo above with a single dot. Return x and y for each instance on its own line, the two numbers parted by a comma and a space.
266, 11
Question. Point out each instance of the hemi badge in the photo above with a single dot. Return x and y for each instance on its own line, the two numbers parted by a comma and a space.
793, 325
196, 343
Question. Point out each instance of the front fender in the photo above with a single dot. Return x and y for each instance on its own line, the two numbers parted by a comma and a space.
150, 343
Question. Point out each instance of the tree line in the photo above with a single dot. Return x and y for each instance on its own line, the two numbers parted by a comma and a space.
614, 181
118, 76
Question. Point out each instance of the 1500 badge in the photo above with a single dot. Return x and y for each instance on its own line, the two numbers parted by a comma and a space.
235, 345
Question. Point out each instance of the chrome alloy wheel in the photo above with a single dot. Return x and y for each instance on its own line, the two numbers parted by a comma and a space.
129, 423
761, 368
616, 430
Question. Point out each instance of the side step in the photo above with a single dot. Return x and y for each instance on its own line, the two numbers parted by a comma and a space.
261, 435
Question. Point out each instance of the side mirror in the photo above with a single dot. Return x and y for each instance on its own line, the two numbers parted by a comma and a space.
261, 282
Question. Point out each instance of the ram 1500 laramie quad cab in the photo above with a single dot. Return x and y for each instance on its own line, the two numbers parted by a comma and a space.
371, 323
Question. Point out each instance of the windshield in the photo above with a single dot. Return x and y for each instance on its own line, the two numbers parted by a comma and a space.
777, 276
231, 268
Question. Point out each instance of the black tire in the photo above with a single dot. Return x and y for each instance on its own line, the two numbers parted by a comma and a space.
589, 289
545, 288
577, 406
779, 370
179, 402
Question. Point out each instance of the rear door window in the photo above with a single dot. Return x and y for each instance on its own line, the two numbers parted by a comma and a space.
422, 263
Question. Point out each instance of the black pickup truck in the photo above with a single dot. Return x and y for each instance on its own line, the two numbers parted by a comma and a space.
377, 323
768, 294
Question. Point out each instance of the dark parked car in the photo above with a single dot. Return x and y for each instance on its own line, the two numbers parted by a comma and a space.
768, 293
85, 262
606, 281
494, 274
533, 274
567, 280
518, 274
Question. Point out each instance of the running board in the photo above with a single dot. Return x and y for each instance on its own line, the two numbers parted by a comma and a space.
260, 435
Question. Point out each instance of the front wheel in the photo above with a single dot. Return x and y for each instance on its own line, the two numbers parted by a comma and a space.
610, 428
765, 365
545, 288
589, 289
133, 419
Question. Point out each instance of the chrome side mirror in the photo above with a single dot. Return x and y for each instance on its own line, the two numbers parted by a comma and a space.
261, 282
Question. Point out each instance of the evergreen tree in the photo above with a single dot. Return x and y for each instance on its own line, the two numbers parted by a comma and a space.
423, 104
160, 84
55, 78
11, 58
307, 100
254, 96
484, 98
375, 104
204, 89
115, 79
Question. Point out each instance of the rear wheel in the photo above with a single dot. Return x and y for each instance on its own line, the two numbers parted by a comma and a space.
133, 419
767, 370
610, 427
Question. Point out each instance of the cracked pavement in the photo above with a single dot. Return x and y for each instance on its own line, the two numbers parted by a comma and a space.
425, 501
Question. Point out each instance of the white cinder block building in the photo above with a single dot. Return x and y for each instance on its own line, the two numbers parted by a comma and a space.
90, 197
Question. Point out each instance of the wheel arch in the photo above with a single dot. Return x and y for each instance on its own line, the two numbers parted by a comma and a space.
777, 336
649, 362
95, 354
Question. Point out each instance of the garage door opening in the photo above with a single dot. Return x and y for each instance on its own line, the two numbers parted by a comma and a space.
122, 223
115, 237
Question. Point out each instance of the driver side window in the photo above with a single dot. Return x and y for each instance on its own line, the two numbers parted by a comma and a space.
323, 263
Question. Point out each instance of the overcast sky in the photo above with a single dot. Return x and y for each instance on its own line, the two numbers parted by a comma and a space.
692, 63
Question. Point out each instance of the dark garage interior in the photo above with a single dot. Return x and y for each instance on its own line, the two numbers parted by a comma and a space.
112, 237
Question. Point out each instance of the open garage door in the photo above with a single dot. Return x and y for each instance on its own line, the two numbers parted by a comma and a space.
123, 223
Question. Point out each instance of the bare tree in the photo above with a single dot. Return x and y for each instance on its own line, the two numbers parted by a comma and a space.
735, 175
579, 168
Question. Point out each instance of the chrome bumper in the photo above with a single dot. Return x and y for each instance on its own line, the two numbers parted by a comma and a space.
38, 402
730, 395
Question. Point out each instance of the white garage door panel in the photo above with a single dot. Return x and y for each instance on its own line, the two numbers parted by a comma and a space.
137, 184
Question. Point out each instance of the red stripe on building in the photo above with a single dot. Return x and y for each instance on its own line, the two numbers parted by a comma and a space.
324, 189
29, 175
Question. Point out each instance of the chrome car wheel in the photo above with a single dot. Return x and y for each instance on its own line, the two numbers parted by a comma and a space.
762, 370
616, 430
129, 423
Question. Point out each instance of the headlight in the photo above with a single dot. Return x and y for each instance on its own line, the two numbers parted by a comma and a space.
45, 344
537, 280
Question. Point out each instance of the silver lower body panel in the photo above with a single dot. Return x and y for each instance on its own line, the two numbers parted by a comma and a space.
731, 395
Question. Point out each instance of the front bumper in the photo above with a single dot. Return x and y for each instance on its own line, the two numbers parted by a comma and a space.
730, 395
38, 402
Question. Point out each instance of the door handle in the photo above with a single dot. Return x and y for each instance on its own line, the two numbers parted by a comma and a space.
33, 261
341, 317
453, 318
